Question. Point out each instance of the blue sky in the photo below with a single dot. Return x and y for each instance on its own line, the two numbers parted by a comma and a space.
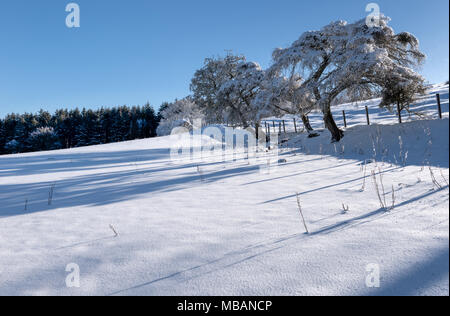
131, 52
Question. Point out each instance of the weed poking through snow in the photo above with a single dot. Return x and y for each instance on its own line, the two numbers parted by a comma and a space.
381, 194
443, 177
393, 198
403, 155
363, 188
200, 173
301, 212
345, 208
50, 194
114, 230
433, 179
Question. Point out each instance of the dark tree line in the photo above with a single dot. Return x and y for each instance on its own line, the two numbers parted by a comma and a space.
74, 128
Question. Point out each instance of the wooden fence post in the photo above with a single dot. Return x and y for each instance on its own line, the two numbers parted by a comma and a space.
284, 126
399, 111
367, 115
257, 128
279, 128
295, 125
274, 130
345, 119
438, 97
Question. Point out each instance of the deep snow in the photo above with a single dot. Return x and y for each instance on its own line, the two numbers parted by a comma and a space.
228, 229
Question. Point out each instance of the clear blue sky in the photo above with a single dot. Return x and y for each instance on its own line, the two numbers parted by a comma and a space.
131, 52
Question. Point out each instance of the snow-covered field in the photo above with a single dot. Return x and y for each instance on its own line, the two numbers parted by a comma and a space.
228, 229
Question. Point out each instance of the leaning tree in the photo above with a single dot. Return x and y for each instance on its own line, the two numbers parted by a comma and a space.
355, 59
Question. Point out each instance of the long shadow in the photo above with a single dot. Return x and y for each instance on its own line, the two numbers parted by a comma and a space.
325, 187
110, 187
401, 286
300, 173
237, 257
419, 278
85, 243
349, 223
61, 162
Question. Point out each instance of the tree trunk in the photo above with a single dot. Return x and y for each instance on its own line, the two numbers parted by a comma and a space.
330, 124
306, 123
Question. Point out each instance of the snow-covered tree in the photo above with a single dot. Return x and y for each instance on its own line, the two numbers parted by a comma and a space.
237, 96
181, 113
281, 94
207, 81
43, 138
13, 146
356, 59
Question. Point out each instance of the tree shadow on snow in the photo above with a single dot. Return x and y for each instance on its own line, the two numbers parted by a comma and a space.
418, 279
111, 186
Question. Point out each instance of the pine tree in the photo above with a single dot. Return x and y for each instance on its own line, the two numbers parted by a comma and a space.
67, 129
2, 137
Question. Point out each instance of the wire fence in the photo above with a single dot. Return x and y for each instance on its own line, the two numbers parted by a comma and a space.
342, 117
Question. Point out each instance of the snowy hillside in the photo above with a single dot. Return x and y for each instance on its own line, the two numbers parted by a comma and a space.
226, 228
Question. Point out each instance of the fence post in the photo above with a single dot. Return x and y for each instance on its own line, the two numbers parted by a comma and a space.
367, 115
279, 128
295, 125
284, 126
345, 119
257, 128
438, 96
399, 111
274, 129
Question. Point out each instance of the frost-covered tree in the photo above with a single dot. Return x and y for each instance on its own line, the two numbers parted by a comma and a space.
237, 96
179, 113
207, 81
356, 59
280, 94
43, 138
13, 147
